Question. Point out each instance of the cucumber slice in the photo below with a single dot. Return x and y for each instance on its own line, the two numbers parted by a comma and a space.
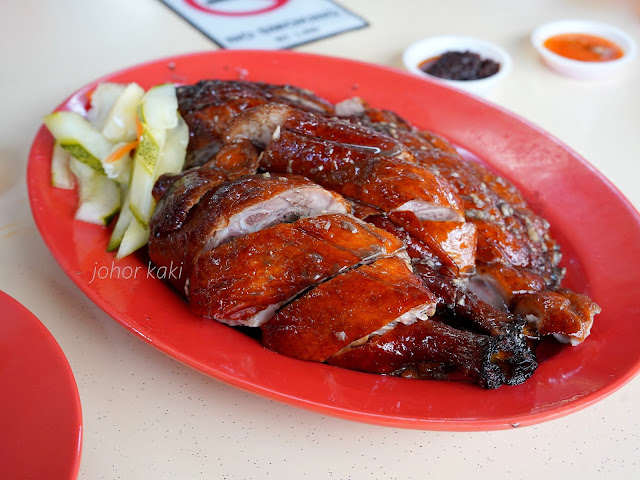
173, 153
143, 176
162, 149
120, 123
61, 176
135, 237
160, 106
102, 100
124, 219
99, 197
76, 135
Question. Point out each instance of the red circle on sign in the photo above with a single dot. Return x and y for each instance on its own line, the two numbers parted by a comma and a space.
274, 4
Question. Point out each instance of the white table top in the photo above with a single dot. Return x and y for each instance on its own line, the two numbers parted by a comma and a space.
148, 416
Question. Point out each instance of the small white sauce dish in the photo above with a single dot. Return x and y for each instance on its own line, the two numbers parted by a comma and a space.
431, 47
577, 68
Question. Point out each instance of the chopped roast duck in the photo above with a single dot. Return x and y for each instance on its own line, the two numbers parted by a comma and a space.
244, 281
347, 236
190, 221
321, 323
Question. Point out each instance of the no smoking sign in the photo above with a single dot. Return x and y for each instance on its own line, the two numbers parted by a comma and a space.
236, 8
266, 24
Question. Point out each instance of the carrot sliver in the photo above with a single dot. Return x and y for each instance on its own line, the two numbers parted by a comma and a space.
121, 152
138, 129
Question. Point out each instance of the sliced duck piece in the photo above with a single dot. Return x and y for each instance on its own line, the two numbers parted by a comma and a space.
233, 209
366, 166
497, 284
507, 229
566, 315
461, 306
349, 159
209, 106
439, 245
499, 245
244, 281
178, 194
263, 123
453, 242
232, 161
418, 251
197, 157
236, 158
349, 306
431, 349
359, 172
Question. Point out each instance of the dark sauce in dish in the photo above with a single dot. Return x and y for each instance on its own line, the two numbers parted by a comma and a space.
460, 66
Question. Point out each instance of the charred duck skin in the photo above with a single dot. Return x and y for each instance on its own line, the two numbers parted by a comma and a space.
433, 349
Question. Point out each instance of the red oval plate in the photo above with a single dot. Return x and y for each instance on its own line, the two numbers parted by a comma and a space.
592, 221
40, 417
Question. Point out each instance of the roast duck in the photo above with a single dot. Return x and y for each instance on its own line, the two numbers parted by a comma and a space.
342, 234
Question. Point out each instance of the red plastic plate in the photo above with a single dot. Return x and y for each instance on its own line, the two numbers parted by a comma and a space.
40, 417
592, 221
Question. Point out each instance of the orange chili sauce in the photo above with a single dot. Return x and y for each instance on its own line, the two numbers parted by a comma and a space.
584, 47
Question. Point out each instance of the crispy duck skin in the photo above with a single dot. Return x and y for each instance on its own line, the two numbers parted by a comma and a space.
233, 160
264, 123
219, 92
366, 166
178, 194
236, 159
566, 315
435, 243
245, 280
453, 242
469, 310
349, 159
210, 105
508, 231
230, 209
418, 251
388, 183
497, 283
490, 361
348, 307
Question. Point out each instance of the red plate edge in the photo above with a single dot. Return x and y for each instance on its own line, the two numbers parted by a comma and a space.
335, 79
56, 446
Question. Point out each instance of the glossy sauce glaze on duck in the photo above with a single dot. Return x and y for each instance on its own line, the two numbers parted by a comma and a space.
347, 236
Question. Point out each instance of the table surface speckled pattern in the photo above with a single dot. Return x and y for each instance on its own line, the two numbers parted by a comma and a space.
147, 416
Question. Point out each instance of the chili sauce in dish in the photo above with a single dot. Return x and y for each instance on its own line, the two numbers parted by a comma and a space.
584, 47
